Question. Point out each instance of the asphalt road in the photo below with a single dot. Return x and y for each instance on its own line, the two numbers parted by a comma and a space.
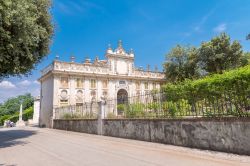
32, 146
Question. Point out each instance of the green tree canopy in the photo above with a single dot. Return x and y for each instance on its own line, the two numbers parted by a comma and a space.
245, 60
25, 35
12, 105
248, 36
181, 63
220, 54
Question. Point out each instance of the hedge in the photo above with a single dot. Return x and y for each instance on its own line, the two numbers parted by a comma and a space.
27, 114
3, 118
235, 83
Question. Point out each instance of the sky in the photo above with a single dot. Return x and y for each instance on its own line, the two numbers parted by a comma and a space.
150, 27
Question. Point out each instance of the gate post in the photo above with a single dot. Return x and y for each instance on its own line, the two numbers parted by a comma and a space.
101, 116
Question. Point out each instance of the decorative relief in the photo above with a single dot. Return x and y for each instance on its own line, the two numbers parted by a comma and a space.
64, 95
79, 96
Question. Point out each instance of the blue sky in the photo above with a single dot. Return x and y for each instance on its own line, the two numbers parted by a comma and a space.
151, 28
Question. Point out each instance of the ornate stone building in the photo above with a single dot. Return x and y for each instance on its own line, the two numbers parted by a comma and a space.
71, 83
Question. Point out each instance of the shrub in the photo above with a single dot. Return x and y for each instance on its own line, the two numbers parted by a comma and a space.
111, 115
134, 110
67, 116
3, 118
78, 116
153, 106
178, 108
27, 114
231, 86
14, 118
121, 108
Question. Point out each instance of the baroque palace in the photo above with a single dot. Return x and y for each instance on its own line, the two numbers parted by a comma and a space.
71, 83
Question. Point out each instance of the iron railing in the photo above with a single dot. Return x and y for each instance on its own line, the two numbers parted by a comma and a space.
85, 111
159, 105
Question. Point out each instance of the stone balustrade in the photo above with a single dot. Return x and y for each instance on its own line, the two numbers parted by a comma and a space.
97, 69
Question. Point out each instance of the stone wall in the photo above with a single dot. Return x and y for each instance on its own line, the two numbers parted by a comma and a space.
227, 134
84, 126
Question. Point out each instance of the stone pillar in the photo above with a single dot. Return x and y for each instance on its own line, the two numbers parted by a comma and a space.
20, 122
101, 116
36, 113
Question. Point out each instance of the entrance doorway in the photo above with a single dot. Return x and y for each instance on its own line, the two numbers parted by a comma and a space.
122, 100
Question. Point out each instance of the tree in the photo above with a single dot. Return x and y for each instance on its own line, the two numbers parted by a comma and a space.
181, 63
248, 37
245, 60
25, 35
220, 54
12, 105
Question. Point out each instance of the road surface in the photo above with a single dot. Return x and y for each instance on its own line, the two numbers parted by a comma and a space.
30, 146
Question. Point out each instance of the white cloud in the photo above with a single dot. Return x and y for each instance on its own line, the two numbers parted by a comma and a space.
7, 85
5, 93
25, 83
220, 28
36, 82
72, 7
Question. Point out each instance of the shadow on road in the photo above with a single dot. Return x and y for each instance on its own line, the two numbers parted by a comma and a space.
11, 137
7, 165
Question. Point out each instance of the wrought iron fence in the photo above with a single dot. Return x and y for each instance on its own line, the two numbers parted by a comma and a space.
85, 111
159, 105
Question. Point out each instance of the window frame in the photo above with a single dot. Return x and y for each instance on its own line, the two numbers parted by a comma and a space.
62, 84
94, 83
82, 83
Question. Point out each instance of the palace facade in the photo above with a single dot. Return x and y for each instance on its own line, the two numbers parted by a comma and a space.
71, 83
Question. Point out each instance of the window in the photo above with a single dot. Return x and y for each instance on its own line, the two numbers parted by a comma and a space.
79, 83
64, 82
154, 85
137, 85
63, 103
105, 93
138, 93
146, 85
105, 84
122, 82
92, 84
93, 95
